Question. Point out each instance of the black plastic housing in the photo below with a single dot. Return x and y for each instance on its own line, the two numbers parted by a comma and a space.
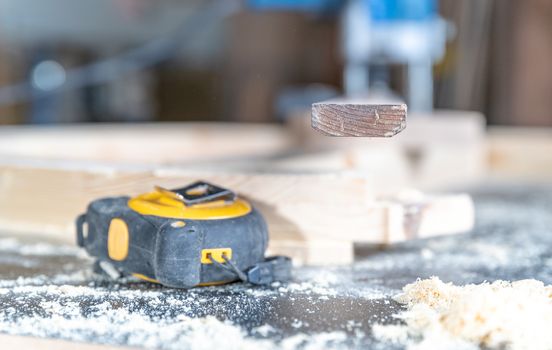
171, 254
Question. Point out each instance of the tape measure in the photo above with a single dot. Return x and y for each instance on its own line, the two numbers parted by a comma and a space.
197, 235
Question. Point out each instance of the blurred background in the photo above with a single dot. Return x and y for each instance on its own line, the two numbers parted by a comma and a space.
66, 61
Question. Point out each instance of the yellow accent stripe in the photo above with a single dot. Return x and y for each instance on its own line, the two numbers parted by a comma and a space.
204, 284
207, 284
145, 278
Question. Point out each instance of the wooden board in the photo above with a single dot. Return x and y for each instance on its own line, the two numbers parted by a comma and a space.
140, 145
520, 153
348, 118
434, 153
313, 218
18, 342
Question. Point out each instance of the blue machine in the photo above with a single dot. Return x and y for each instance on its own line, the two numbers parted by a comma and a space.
382, 32
401, 10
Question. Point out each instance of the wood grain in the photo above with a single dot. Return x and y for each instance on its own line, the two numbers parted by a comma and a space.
335, 118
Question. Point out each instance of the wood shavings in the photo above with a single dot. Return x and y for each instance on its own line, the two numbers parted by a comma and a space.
511, 315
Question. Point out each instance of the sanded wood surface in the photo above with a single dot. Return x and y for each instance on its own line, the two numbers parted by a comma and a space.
343, 118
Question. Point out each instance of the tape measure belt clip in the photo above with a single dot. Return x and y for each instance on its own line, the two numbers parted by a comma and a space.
199, 192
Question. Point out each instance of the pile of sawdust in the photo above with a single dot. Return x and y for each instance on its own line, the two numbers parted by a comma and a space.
510, 315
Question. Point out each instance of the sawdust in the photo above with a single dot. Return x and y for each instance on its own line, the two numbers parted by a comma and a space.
120, 318
330, 307
74, 304
511, 315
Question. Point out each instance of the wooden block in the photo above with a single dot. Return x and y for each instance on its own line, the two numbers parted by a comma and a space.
336, 118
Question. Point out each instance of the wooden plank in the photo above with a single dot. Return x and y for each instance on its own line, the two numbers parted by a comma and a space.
305, 213
289, 202
520, 153
348, 118
19, 342
433, 153
141, 145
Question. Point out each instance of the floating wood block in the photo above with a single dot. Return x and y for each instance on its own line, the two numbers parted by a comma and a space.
337, 118
314, 218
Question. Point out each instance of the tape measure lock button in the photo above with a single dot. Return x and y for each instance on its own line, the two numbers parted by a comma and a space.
117, 239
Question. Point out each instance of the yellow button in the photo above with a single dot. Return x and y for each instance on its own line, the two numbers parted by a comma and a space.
117, 240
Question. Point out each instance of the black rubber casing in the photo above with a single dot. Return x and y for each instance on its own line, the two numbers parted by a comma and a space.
162, 251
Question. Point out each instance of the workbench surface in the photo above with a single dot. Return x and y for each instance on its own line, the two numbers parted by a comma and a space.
48, 290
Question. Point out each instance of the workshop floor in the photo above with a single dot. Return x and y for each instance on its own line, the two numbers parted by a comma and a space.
49, 291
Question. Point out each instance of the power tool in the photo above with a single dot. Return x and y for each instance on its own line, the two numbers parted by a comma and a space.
198, 235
